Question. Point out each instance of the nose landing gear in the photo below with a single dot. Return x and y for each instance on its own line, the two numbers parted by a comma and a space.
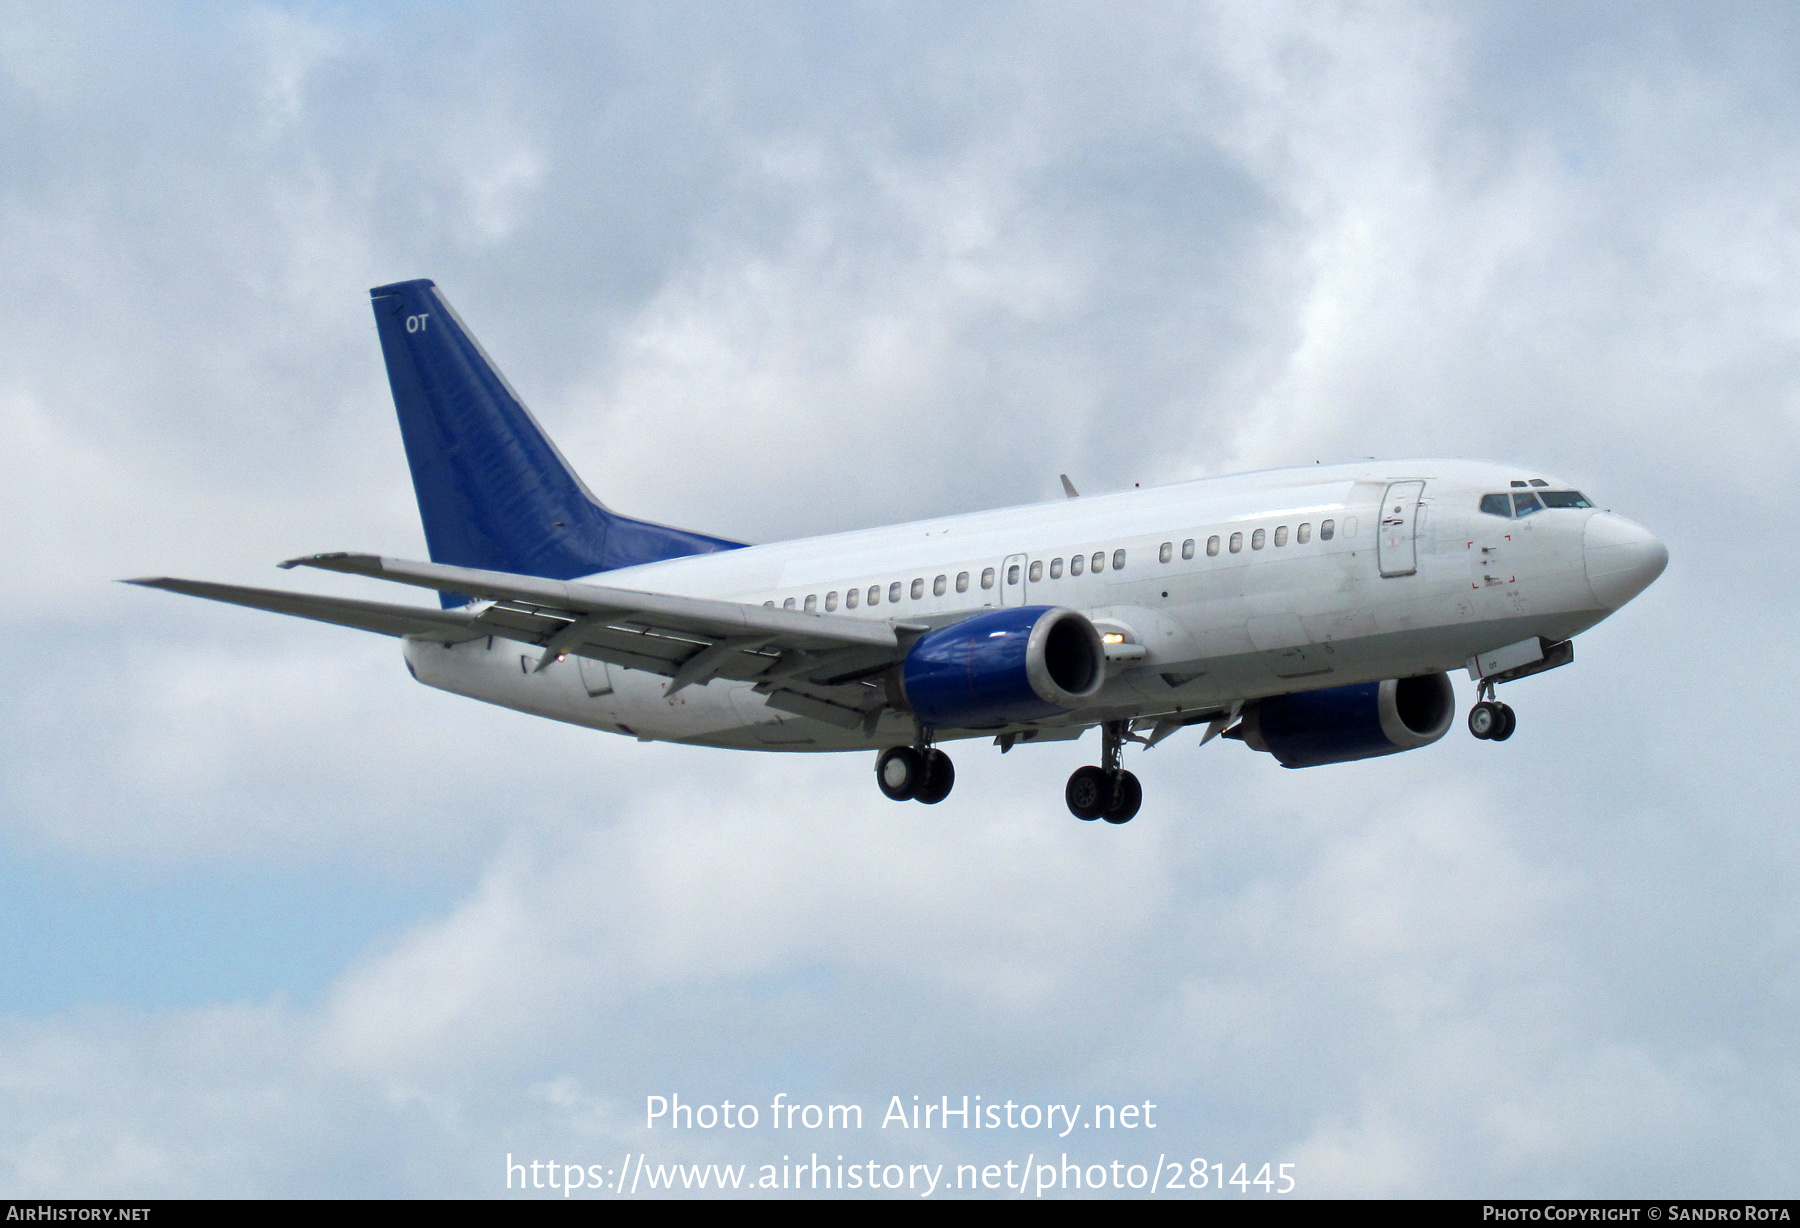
1491, 720
1106, 792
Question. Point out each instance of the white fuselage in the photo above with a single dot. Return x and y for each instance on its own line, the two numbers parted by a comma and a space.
1199, 629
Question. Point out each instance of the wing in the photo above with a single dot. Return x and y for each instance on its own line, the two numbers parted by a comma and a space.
447, 626
828, 667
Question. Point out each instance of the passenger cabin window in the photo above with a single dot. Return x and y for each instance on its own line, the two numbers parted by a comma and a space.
1564, 498
788, 604
1237, 542
770, 604
850, 598
918, 588
1212, 546
962, 581
894, 592
1257, 539
1037, 570
1525, 503
1303, 534
1281, 535
987, 577
874, 594
812, 602
1076, 564
1326, 529
1165, 552
1056, 569
1012, 574
1187, 548
831, 601
1118, 560
1497, 505
939, 585
1098, 563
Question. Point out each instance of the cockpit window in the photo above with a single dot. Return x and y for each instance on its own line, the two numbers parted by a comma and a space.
1525, 503
1497, 505
1564, 498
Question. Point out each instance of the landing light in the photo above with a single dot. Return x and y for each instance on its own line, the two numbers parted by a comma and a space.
1112, 637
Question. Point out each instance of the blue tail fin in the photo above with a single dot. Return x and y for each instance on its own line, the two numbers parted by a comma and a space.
493, 490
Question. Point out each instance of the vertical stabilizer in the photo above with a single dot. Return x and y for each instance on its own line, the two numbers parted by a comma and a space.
493, 490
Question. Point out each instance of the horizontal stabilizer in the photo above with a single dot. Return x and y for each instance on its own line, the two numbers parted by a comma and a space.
377, 616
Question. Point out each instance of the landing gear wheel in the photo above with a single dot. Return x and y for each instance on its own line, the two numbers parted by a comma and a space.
1509, 722
940, 776
1088, 792
1486, 719
1127, 796
900, 771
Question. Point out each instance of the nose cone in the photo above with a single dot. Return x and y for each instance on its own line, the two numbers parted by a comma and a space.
1622, 558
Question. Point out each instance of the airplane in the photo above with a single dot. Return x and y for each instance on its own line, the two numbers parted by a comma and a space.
1312, 614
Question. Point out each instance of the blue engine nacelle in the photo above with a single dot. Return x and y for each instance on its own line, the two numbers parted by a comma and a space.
1005, 666
1342, 723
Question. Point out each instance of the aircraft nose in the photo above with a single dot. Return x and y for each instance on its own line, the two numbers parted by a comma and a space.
1622, 558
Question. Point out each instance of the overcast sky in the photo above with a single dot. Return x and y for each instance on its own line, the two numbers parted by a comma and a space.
276, 920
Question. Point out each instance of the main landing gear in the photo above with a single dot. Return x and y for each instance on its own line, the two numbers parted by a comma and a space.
915, 774
1106, 792
922, 773
1491, 720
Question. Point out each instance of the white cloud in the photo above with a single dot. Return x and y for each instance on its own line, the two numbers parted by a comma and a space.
776, 276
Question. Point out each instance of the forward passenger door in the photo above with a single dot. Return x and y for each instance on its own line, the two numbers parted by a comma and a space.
1397, 547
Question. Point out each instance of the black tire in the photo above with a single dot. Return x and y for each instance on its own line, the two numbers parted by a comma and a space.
1088, 792
1485, 720
940, 778
900, 770
1509, 721
1127, 796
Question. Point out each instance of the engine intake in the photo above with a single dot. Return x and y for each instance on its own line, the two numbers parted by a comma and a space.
1002, 667
1343, 723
